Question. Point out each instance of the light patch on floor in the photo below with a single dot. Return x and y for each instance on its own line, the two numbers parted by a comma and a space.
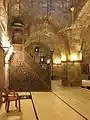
49, 107
26, 113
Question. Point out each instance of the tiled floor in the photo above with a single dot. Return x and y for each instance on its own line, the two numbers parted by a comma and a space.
78, 98
49, 107
27, 112
64, 104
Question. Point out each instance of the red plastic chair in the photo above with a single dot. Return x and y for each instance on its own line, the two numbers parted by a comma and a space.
8, 96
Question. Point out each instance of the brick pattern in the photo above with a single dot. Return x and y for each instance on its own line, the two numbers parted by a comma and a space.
23, 76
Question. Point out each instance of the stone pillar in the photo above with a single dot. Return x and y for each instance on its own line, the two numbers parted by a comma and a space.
71, 74
1, 71
1, 68
6, 75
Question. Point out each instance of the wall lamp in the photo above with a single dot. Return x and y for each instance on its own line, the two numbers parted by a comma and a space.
73, 57
48, 61
42, 59
57, 61
37, 49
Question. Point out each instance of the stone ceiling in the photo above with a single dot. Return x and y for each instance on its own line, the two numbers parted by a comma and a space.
81, 27
58, 10
54, 17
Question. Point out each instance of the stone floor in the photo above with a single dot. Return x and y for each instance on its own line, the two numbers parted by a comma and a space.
27, 112
61, 104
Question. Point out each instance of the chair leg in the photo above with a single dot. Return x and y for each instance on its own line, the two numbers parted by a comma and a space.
16, 103
7, 108
19, 105
5, 105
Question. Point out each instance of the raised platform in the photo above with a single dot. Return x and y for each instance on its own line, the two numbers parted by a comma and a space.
86, 83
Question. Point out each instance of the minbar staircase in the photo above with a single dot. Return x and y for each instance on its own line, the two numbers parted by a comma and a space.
43, 81
27, 75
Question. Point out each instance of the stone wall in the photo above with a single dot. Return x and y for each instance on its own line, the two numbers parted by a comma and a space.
73, 73
3, 35
3, 39
69, 73
3, 20
57, 72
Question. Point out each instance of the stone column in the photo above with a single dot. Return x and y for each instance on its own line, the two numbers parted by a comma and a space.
71, 74
6, 75
1, 68
1, 71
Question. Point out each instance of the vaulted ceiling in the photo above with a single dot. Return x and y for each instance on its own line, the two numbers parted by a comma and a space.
58, 10
47, 20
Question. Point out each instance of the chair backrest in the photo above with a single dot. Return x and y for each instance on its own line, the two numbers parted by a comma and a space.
4, 94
